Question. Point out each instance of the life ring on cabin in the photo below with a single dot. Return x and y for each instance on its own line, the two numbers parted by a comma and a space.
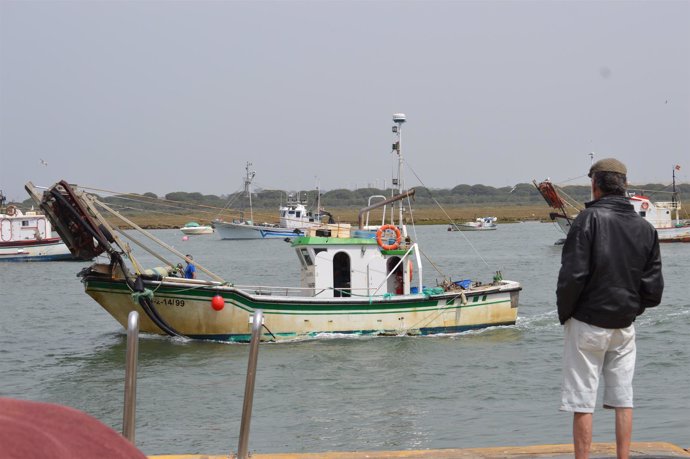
11, 210
379, 237
644, 205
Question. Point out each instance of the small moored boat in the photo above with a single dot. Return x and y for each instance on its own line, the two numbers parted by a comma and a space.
192, 228
480, 224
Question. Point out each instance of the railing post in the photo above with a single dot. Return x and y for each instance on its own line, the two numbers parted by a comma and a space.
128, 421
242, 449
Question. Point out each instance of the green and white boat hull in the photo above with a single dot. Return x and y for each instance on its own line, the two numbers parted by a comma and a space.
186, 306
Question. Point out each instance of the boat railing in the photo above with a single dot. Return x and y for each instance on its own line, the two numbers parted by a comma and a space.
673, 205
132, 354
275, 291
410, 249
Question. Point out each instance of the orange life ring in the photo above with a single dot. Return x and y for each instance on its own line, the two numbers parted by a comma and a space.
379, 237
644, 205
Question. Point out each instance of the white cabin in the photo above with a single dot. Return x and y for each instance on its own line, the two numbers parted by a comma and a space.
294, 215
339, 262
659, 214
18, 226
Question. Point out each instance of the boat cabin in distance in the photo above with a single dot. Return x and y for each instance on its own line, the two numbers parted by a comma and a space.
28, 236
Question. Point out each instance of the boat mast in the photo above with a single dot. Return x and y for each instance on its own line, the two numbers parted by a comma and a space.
399, 119
674, 196
317, 214
248, 189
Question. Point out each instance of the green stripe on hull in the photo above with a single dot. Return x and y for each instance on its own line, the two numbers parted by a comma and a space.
326, 307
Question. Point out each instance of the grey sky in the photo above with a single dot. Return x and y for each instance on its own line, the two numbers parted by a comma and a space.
166, 96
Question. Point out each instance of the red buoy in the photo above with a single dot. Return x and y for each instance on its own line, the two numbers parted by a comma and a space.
217, 302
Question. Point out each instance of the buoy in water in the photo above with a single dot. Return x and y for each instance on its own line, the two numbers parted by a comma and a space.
184, 238
217, 302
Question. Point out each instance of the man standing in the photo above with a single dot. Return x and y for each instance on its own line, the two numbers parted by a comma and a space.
610, 272
190, 269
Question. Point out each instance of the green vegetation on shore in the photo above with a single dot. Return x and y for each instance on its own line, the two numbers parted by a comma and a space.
431, 206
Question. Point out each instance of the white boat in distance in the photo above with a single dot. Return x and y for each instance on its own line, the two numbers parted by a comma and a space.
193, 228
352, 281
28, 237
295, 219
662, 215
480, 224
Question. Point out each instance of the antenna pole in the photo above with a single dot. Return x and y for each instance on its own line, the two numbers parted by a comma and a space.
591, 163
674, 200
399, 119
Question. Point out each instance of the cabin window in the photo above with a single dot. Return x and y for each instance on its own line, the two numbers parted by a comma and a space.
306, 256
298, 214
25, 222
642, 213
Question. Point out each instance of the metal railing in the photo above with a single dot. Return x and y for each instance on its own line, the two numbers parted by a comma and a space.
128, 421
257, 323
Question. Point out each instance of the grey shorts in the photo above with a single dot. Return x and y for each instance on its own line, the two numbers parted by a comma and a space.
590, 351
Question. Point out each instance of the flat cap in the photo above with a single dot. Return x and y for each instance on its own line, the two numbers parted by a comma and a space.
608, 165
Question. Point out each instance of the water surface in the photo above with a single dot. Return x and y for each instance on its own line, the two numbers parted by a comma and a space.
498, 386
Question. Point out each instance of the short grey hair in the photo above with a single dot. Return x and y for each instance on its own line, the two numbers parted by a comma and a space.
610, 182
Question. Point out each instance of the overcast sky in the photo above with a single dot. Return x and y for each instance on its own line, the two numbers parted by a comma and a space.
163, 96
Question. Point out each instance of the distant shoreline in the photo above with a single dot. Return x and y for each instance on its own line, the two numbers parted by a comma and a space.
420, 216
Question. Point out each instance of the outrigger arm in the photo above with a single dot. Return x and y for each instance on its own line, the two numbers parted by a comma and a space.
159, 242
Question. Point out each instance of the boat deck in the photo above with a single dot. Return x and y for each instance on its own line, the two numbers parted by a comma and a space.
646, 450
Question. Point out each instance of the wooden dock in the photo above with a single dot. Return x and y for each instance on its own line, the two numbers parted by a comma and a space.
646, 450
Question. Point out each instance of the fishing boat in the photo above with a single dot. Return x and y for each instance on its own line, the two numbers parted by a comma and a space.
565, 209
193, 228
353, 280
480, 224
662, 215
295, 218
28, 236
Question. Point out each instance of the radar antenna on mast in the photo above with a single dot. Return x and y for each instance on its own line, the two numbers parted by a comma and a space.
399, 119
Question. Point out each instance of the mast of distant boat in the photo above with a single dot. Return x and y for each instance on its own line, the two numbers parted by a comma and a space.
248, 189
674, 197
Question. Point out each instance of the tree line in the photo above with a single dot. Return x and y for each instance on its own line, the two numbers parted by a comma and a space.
520, 194
460, 195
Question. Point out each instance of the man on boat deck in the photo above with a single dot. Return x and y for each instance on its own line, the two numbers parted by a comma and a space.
610, 272
190, 269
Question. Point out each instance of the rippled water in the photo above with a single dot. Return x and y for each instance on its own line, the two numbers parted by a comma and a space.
493, 387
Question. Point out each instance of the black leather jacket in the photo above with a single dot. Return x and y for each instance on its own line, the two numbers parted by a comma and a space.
610, 265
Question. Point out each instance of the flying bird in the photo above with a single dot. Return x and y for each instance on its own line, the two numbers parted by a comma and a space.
44, 162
